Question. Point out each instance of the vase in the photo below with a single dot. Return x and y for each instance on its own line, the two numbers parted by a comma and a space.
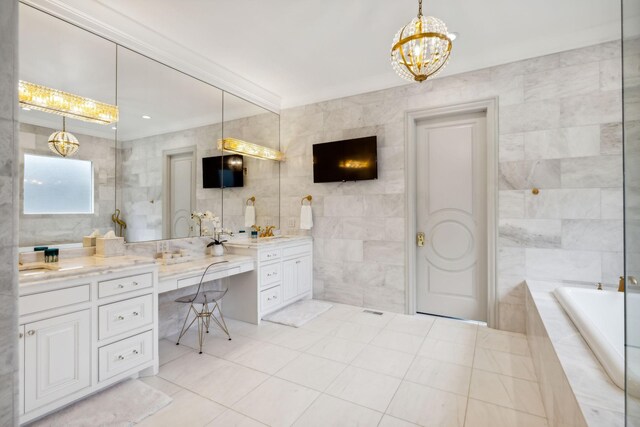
217, 250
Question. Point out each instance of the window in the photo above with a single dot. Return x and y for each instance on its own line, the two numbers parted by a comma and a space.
55, 185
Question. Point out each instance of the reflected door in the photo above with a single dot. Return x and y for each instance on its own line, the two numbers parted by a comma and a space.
181, 198
451, 214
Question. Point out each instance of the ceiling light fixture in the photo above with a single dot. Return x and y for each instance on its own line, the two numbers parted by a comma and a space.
146, 117
421, 48
42, 98
249, 149
62, 142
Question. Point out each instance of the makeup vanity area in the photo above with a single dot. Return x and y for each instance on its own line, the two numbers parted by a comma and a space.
88, 322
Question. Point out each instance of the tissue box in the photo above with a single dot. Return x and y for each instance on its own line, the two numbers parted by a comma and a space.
88, 241
109, 247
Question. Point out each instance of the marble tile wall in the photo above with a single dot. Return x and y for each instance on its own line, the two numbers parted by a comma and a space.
559, 131
8, 210
45, 229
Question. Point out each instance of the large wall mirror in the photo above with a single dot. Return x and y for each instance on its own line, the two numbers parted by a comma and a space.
168, 123
63, 199
152, 168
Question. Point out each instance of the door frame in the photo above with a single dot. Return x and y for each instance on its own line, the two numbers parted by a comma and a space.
412, 118
166, 184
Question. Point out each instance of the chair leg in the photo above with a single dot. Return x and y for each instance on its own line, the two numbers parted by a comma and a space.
221, 323
184, 330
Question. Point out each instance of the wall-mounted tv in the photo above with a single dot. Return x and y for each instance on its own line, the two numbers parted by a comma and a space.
347, 160
223, 171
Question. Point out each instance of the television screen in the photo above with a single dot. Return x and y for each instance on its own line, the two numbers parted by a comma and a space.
222, 171
348, 160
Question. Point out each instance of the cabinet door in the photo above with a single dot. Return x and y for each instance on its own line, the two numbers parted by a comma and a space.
21, 369
289, 279
304, 274
57, 358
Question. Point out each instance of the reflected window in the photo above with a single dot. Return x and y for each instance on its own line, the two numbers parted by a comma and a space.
55, 185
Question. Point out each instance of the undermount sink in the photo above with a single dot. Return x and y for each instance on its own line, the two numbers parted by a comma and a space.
38, 267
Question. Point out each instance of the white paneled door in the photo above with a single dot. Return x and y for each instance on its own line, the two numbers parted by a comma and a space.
451, 217
181, 199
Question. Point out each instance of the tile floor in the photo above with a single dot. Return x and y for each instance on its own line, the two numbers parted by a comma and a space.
349, 368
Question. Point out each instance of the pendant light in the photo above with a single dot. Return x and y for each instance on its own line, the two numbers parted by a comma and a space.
421, 48
62, 142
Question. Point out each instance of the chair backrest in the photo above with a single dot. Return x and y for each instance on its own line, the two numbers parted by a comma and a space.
202, 281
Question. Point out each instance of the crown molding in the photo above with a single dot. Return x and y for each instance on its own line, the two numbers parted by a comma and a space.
132, 35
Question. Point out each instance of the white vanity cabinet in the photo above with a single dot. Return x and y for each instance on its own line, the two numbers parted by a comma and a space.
284, 274
80, 334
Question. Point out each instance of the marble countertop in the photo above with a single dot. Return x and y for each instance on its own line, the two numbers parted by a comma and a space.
266, 241
198, 265
80, 267
601, 401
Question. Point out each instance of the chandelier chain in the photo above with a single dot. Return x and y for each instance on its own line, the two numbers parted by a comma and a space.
419, 8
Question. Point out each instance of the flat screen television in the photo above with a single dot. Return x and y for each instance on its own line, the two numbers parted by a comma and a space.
347, 160
223, 171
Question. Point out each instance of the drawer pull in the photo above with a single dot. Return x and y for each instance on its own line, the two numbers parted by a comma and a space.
134, 283
135, 313
120, 357
135, 351
20, 335
31, 332
120, 286
120, 317
298, 262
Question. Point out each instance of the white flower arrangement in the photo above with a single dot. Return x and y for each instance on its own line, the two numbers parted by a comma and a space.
201, 219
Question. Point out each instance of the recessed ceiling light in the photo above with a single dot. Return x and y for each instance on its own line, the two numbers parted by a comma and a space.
114, 128
146, 117
453, 36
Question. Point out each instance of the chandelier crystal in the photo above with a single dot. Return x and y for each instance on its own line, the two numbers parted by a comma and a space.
63, 143
421, 48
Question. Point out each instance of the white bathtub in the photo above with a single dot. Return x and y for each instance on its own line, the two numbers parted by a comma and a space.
599, 316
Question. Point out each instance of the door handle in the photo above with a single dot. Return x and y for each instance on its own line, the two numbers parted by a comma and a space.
420, 239
633, 280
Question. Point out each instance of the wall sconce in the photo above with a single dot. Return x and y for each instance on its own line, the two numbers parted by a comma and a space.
249, 149
42, 98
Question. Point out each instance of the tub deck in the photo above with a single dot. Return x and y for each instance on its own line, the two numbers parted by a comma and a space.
575, 388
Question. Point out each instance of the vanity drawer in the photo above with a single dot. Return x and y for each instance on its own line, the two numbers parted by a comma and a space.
116, 358
123, 316
270, 255
270, 298
121, 285
270, 273
190, 281
48, 300
296, 250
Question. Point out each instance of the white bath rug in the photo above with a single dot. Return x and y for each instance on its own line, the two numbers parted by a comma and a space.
299, 313
124, 404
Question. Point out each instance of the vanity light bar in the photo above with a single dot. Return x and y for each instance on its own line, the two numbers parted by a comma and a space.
245, 148
42, 98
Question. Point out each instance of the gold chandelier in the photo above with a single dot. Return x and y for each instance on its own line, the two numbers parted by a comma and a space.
421, 48
63, 142
42, 98
249, 149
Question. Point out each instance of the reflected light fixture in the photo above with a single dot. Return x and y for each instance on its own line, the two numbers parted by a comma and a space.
421, 48
249, 149
42, 98
63, 143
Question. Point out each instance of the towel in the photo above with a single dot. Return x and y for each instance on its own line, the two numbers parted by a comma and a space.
306, 219
250, 216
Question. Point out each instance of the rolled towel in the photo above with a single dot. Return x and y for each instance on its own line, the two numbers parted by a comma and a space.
306, 218
249, 216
